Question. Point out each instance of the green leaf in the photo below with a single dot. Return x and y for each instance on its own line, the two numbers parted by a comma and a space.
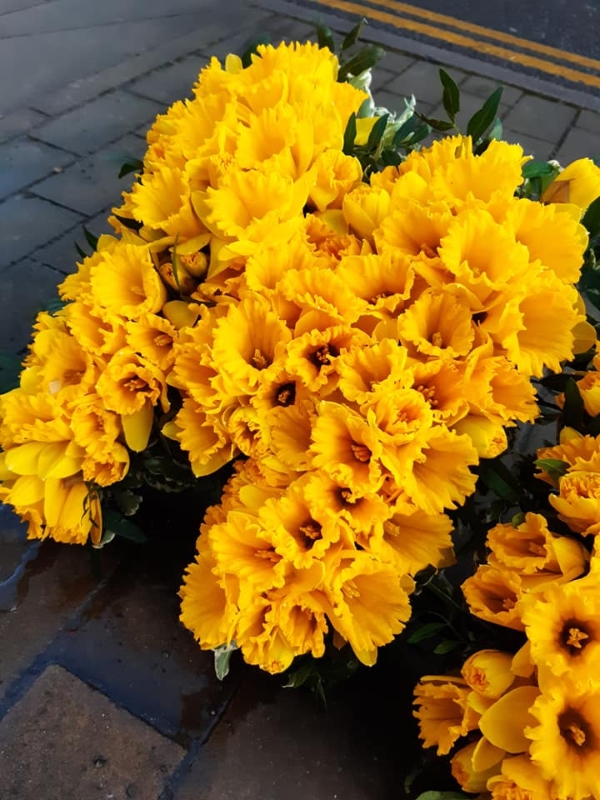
10, 369
407, 129
499, 479
53, 305
81, 253
553, 466
90, 239
131, 165
496, 130
426, 632
377, 132
352, 37
573, 408
451, 96
390, 158
591, 218
252, 47
128, 502
325, 37
537, 169
117, 524
445, 647
350, 135
222, 659
299, 676
483, 119
131, 224
437, 124
366, 58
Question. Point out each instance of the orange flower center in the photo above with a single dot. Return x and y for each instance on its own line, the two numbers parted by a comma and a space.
576, 731
286, 394
258, 360
361, 452
574, 636
428, 393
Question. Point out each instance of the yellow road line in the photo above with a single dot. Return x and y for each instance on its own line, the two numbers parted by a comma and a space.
491, 33
464, 41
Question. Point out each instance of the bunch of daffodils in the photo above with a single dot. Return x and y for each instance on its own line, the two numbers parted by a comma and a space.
532, 720
354, 345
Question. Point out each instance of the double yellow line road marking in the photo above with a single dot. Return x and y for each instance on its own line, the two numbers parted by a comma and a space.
501, 45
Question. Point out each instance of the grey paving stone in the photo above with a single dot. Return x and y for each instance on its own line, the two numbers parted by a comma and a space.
91, 184
51, 589
544, 119
62, 254
278, 743
26, 287
83, 53
532, 146
172, 82
483, 87
422, 79
589, 121
76, 92
395, 62
142, 656
28, 222
380, 78
578, 144
18, 122
96, 750
22, 162
93, 125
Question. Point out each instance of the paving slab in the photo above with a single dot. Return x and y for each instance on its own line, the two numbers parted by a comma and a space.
62, 254
13, 544
86, 87
422, 79
22, 162
92, 183
65, 740
93, 125
544, 119
28, 222
484, 87
589, 121
170, 83
28, 286
82, 52
131, 645
51, 588
578, 143
18, 122
532, 146
276, 743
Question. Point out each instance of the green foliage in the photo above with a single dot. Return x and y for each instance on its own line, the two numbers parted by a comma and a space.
10, 368
451, 95
116, 524
482, 120
251, 47
223, 655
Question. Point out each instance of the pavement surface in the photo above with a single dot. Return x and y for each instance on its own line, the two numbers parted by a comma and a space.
103, 695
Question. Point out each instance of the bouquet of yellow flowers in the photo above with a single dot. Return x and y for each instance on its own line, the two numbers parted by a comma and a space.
345, 327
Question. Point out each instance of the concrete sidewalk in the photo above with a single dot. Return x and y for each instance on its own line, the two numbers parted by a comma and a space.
102, 694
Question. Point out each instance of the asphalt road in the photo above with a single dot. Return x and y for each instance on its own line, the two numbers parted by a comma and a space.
570, 25
557, 40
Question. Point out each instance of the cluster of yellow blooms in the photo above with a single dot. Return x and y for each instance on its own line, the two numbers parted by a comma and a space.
533, 719
362, 345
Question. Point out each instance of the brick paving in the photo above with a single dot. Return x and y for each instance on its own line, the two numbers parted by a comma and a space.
102, 694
